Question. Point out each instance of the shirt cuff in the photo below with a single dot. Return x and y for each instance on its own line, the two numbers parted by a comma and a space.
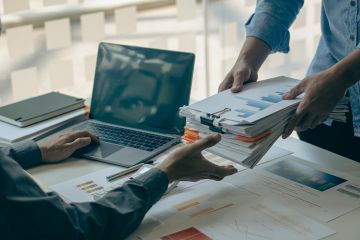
27, 154
156, 182
273, 33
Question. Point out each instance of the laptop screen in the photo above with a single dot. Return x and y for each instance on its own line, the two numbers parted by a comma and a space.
141, 87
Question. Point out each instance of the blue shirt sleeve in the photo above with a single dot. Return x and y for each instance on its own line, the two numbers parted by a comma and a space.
271, 22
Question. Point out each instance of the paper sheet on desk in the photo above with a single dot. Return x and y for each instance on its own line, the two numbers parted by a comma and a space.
82, 189
320, 193
221, 211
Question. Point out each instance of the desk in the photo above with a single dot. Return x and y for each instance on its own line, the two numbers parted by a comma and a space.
347, 226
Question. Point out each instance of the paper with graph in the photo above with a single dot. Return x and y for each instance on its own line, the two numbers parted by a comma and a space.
249, 121
222, 211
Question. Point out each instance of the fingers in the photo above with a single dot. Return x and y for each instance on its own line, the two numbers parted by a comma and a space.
204, 143
222, 171
293, 122
296, 91
72, 136
239, 78
227, 83
79, 143
216, 173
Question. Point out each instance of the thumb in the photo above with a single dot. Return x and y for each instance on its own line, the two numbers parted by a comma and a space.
296, 91
79, 143
223, 171
204, 143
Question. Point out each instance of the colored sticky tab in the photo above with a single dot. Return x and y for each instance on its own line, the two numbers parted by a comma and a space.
93, 27
12, 6
255, 138
230, 34
61, 74
58, 34
54, 2
25, 83
187, 42
20, 41
90, 64
186, 9
126, 20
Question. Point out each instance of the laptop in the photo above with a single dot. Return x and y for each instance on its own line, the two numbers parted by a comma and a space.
135, 103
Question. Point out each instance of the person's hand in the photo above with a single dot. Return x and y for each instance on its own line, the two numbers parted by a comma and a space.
241, 73
64, 145
322, 92
188, 164
252, 55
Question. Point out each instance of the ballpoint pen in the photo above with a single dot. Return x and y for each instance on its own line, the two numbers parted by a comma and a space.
122, 173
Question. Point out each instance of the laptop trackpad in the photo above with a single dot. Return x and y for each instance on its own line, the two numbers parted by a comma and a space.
100, 151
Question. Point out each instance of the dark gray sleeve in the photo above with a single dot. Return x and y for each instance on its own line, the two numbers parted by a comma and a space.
27, 154
29, 213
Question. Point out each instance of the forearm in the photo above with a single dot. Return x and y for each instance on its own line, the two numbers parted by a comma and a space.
115, 216
254, 52
121, 211
348, 69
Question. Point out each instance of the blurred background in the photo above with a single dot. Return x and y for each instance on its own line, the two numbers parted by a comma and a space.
51, 45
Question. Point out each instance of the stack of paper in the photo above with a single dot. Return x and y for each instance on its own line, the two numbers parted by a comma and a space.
249, 121
339, 112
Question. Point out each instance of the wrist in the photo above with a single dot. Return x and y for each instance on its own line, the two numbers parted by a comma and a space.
43, 151
167, 172
253, 53
348, 69
343, 75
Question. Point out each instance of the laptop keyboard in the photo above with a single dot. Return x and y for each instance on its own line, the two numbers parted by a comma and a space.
126, 137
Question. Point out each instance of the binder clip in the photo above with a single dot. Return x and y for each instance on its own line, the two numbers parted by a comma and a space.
210, 117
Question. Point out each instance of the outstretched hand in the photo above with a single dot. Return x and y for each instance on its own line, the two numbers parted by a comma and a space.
188, 164
322, 93
64, 145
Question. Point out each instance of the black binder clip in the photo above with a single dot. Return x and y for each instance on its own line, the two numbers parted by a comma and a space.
210, 117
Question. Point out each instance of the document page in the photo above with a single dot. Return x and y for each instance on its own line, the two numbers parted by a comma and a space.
320, 193
256, 101
217, 210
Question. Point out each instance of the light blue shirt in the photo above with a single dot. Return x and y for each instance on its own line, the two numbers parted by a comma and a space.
340, 27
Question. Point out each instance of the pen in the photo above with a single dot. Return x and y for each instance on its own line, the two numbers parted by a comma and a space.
126, 171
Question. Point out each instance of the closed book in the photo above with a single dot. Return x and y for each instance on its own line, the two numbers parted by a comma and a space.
40, 108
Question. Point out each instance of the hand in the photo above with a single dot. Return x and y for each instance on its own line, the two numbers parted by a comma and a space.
322, 92
188, 164
252, 55
64, 145
241, 73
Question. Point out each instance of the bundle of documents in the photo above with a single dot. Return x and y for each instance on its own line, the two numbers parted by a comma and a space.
11, 134
36, 109
37, 117
249, 121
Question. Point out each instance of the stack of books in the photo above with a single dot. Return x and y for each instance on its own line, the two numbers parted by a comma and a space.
249, 122
38, 117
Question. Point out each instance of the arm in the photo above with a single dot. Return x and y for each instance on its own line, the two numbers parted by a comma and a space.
40, 216
29, 154
322, 92
266, 31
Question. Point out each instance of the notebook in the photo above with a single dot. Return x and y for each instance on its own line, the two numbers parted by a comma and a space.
40, 108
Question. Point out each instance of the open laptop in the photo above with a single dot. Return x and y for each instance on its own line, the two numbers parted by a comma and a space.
135, 102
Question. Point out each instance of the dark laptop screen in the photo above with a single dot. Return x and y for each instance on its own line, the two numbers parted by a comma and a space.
141, 87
